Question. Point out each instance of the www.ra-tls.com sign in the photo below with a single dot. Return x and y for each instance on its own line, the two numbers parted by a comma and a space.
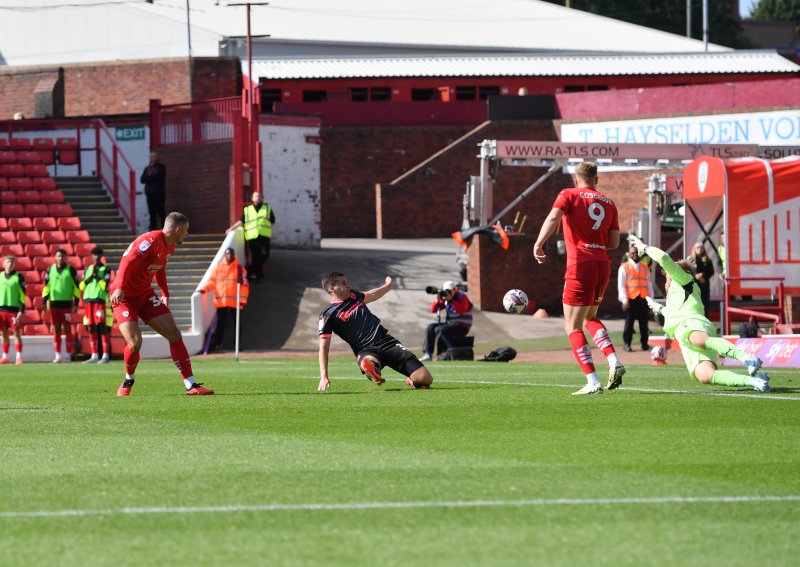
128, 133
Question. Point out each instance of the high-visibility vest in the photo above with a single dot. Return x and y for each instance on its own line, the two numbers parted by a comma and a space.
257, 223
94, 288
224, 281
60, 284
11, 294
636, 279
721, 252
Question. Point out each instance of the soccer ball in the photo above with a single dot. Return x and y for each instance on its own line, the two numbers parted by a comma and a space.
658, 354
515, 301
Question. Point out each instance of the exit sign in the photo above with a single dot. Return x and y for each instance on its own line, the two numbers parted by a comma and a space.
130, 133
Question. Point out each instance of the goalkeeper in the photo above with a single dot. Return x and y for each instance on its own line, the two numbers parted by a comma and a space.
685, 321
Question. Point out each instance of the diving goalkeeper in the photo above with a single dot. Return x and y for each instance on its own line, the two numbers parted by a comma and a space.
685, 321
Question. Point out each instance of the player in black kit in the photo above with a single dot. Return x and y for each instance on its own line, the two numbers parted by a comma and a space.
350, 318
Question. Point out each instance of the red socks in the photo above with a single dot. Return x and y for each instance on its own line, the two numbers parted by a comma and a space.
180, 356
131, 360
106, 344
582, 351
600, 336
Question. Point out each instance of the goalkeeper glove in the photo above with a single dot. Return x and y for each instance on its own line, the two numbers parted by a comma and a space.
654, 306
634, 240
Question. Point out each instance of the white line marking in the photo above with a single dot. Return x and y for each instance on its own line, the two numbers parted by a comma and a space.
402, 505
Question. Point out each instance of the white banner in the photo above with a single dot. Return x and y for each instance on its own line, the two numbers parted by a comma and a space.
778, 128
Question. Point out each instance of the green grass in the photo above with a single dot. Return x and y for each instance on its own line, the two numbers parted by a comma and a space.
496, 465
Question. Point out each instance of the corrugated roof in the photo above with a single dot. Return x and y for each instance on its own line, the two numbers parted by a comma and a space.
527, 66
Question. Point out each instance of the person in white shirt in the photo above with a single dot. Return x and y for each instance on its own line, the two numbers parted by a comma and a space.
634, 286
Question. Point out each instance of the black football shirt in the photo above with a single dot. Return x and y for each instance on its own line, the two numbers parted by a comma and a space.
352, 320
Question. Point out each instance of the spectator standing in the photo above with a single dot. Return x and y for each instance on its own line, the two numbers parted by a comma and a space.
12, 306
225, 279
154, 178
458, 319
703, 272
591, 226
634, 286
94, 286
61, 293
257, 220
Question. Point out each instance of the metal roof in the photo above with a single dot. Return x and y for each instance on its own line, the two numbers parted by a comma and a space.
36, 32
527, 66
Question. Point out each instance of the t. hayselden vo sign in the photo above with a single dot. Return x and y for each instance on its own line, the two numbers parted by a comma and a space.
778, 128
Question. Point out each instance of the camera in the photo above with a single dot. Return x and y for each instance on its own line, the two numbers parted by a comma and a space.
430, 290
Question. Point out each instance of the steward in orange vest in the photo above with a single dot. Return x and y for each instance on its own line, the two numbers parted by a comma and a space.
223, 282
633, 287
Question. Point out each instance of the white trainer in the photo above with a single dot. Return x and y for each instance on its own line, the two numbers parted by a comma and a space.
753, 365
589, 389
761, 383
67, 357
57, 358
103, 360
91, 359
424, 357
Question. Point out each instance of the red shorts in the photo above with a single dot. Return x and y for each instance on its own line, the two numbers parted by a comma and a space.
585, 283
7, 321
145, 306
61, 315
94, 313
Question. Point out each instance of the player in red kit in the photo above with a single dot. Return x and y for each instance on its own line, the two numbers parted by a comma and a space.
591, 226
132, 297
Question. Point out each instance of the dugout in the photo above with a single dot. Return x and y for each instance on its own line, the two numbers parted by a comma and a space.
756, 204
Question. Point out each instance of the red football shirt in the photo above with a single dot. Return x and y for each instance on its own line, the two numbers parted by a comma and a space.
146, 257
588, 218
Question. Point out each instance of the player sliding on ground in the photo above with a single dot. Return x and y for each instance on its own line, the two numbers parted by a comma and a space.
132, 297
350, 318
685, 321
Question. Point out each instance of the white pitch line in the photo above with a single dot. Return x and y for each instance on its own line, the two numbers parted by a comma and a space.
539, 502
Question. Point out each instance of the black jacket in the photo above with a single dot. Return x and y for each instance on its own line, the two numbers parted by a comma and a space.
154, 177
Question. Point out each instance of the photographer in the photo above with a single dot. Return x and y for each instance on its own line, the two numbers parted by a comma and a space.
458, 320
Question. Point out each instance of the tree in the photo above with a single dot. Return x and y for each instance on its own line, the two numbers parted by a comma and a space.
783, 10
670, 16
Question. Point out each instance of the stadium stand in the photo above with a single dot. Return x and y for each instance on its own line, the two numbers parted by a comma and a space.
36, 210
67, 151
36, 170
69, 223
20, 223
53, 237
65, 246
46, 149
60, 210
11, 249
45, 223
44, 183
34, 250
20, 144
12, 210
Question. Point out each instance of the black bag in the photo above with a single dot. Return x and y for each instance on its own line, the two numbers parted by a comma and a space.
502, 354
457, 353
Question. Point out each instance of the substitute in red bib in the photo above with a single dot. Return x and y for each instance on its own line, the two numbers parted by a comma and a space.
591, 227
133, 297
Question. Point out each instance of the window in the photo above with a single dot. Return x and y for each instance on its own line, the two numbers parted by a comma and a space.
315, 96
269, 97
358, 94
597, 88
423, 94
380, 93
486, 92
574, 88
466, 93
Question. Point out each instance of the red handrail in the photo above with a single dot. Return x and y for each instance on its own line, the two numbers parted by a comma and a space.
123, 192
760, 312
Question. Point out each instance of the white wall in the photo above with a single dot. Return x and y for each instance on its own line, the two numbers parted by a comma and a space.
291, 175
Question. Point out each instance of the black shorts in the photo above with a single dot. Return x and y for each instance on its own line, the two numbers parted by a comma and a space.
391, 352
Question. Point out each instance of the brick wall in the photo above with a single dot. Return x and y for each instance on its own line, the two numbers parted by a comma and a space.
355, 159
198, 184
121, 87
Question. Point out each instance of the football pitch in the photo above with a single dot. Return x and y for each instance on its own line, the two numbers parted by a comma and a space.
496, 465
